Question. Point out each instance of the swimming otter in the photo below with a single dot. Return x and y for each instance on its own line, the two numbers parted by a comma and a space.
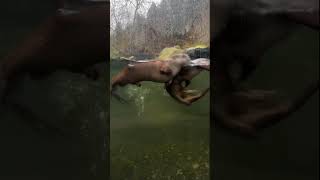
241, 38
71, 39
179, 92
160, 71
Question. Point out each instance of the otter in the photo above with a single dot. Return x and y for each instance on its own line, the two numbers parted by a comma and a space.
160, 71
178, 91
242, 34
71, 39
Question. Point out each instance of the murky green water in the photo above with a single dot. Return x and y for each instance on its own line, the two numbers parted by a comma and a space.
155, 137
289, 150
59, 129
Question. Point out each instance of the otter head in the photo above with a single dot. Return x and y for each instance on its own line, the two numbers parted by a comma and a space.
180, 59
176, 62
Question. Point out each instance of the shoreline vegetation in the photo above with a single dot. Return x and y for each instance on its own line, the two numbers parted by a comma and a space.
196, 51
145, 28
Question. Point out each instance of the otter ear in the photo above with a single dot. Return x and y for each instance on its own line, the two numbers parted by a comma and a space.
165, 70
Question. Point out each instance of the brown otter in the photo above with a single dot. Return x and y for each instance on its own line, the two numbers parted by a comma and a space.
160, 71
179, 92
71, 39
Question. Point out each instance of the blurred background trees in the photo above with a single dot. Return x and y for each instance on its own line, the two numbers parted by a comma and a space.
147, 26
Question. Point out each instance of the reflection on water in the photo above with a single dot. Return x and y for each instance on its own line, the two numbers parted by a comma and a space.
155, 137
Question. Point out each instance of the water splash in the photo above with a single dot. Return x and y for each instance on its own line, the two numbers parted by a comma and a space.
138, 94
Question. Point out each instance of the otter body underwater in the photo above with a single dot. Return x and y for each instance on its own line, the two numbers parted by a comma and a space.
178, 91
173, 72
160, 71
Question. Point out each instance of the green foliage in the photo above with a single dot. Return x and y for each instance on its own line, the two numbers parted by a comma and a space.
196, 45
170, 51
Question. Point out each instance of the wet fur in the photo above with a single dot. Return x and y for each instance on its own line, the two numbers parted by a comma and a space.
64, 41
160, 71
178, 91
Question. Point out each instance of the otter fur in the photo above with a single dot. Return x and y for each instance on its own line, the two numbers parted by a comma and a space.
178, 91
160, 71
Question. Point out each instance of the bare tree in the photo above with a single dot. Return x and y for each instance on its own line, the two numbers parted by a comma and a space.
154, 25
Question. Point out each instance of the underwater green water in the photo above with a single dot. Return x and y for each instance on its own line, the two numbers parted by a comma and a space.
290, 149
155, 137
59, 130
